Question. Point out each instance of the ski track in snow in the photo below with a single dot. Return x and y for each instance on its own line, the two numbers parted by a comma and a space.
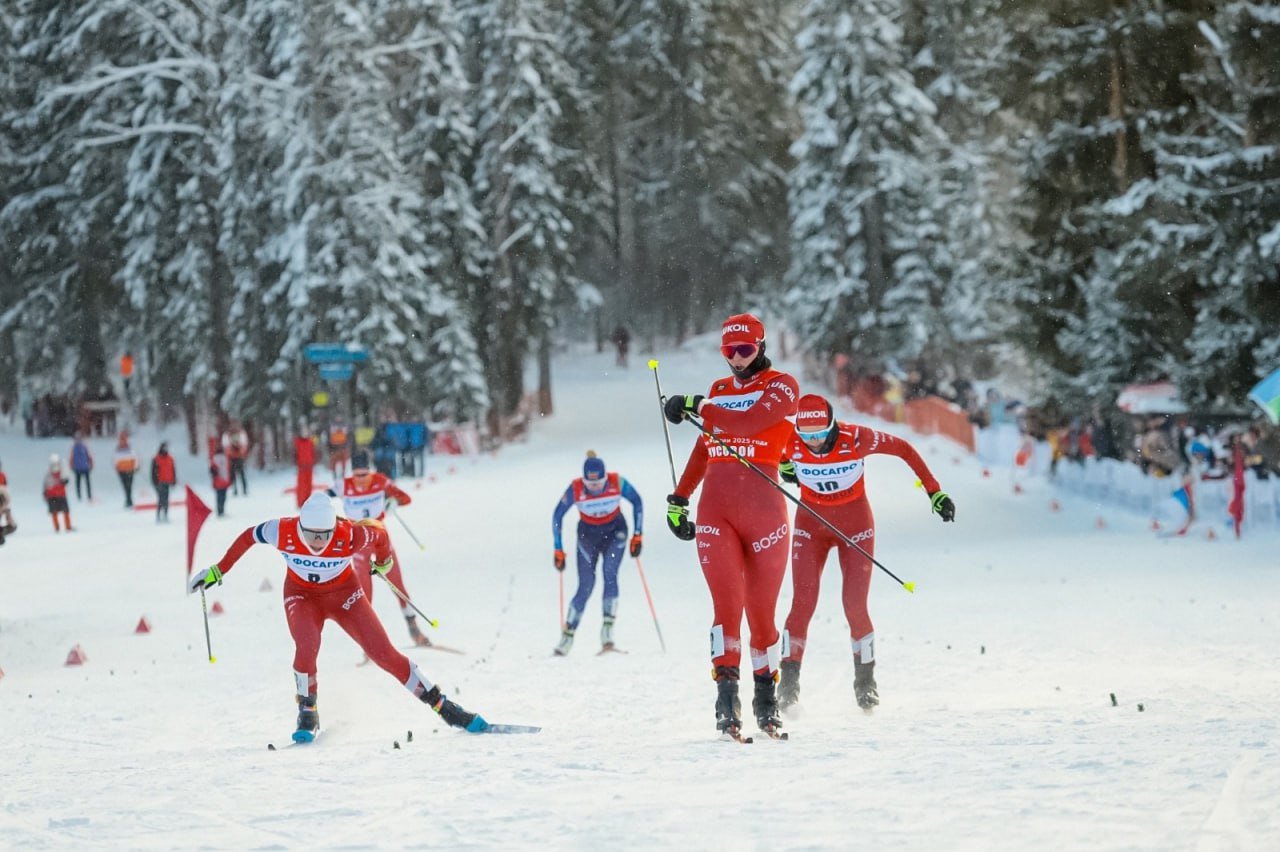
996, 730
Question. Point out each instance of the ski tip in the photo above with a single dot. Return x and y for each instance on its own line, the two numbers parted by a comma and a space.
653, 363
303, 736
910, 587
271, 746
477, 725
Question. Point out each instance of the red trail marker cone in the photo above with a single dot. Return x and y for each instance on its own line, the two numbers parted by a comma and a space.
1155, 525
216, 609
1211, 535
144, 626
1100, 523
1055, 506
76, 657
986, 473
1017, 488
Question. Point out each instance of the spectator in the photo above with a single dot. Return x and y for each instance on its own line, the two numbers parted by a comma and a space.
304, 455
4, 480
339, 452
82, 465
55, 493
1155, 452
622, 340
220, 470
7, 525
126, 372
1101, 435
27, 408
126, 466
164, 475
235, 441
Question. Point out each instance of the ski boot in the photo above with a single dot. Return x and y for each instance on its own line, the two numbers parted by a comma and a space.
606, 635
566, 643
452, 714
308, 720
728, 706
789, 686
864, 685
765, 705
415, 633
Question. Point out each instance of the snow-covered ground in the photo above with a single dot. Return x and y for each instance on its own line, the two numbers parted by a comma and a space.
996, 729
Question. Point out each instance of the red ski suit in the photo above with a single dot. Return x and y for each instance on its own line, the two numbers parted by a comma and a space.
742, 523
833, 485
322, 585
371, 502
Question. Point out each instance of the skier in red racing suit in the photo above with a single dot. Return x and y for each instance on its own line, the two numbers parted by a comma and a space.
742, 527
826, 458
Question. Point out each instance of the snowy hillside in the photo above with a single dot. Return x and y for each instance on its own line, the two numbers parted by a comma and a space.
996, 728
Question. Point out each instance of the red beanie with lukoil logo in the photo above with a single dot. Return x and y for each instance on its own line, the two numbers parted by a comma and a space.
742, 328
813, 414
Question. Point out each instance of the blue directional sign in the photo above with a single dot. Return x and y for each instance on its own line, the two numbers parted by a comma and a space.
337, 372
335, 353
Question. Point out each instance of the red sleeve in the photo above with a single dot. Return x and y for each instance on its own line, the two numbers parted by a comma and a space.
368, 534
694, 469
238, 548
776, 403
395, 493
882, 443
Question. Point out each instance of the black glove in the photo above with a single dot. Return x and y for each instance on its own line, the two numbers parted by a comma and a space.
943, 506
676, 407
678, 517
787, 470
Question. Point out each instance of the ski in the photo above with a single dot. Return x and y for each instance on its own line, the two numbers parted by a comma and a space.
300, 738
775, 734
610, 649
497, 728
735, 736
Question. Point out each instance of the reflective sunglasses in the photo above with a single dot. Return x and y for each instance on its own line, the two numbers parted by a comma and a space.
820, 435
739, 350
315, 533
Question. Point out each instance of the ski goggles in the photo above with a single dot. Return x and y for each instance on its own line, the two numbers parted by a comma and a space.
595, 485
316, 534
739, 350
813, 437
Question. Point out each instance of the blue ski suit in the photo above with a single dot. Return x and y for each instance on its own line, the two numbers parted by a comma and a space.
602, 532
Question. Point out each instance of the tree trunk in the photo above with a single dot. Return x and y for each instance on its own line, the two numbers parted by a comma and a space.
544, 375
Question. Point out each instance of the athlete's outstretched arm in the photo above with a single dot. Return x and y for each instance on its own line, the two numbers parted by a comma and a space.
874, 442
777, 402
637, 505
557, 517
264, 533
694, 469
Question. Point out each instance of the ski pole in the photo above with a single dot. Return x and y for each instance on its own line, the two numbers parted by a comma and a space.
208, 645
910, 587
652, 611
396, 512
561, 573
408, 602
666, 431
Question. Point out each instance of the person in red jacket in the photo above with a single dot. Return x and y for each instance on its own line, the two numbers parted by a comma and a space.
321, 585
164, 475
826, 458
304, 455
369, 494
742, 526
55, 494
220, 471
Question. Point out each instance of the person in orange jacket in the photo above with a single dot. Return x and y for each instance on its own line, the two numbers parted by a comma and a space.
126, 462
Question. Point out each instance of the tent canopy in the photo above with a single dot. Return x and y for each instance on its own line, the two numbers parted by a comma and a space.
1155, 398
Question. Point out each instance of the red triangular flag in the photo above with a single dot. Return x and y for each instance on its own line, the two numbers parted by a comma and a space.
76, 657
197, 513
143, 626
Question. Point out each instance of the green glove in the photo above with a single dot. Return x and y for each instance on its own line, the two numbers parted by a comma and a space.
943, 506
212, 577
787, 470
678, 517
382, 567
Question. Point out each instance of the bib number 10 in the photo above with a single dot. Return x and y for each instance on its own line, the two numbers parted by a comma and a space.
826, 485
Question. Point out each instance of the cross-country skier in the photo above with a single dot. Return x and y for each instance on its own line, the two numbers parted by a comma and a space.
742, 525
602, 537
826, 458
368, 494
319, 549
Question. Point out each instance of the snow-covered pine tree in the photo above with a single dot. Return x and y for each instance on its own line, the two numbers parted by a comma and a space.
423, 41
1229, 170
861, 193
62, 168
523, 158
